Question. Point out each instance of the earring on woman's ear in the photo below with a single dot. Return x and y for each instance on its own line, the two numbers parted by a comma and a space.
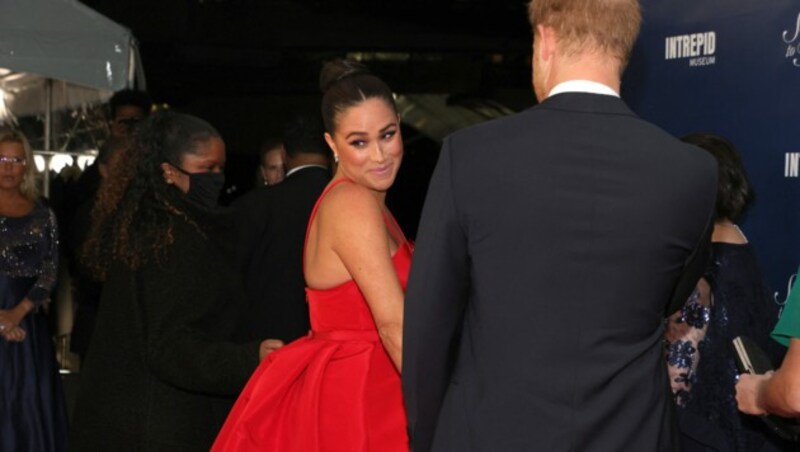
336, 158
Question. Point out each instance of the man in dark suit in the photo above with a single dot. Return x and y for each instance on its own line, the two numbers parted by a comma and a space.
534, 309
272, 225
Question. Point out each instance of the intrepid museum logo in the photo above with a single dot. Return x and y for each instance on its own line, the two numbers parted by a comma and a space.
792, 40
698, 48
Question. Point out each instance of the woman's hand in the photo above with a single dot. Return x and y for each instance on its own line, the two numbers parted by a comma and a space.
268, 346
15, 334
6, 323
11, 318
748, 392
775, 392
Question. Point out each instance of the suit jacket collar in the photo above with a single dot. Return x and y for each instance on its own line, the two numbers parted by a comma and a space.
587, 103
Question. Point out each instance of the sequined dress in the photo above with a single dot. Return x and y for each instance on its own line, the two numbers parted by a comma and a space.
33, 413
700, 356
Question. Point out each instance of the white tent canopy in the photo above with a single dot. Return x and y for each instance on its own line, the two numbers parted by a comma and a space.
87, 55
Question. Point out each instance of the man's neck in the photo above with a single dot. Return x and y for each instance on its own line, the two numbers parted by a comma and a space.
592, 68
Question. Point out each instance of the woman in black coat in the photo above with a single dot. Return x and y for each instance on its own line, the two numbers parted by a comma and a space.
161, 372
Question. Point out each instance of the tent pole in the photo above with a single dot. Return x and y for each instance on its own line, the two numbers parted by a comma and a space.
48, 127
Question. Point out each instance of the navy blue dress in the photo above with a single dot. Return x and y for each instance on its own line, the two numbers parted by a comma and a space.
33, 415
701, 360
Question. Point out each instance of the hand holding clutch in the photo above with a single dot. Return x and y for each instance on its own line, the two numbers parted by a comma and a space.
748, 391
756, 371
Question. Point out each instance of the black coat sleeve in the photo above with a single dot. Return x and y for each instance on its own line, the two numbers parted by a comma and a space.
435, 299
188, 312
693, 269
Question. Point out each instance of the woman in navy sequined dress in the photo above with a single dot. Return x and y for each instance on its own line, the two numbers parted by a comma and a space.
732, 299
32, 409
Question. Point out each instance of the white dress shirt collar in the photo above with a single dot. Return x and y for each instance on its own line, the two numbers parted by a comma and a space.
298, 168
582, 86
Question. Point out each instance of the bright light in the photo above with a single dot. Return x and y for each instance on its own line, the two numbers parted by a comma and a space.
5, 115
39, 160
85, 160
59, 161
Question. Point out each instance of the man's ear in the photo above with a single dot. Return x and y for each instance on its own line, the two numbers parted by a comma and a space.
547, 41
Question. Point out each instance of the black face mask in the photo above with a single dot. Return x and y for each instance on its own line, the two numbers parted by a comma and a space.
204, 188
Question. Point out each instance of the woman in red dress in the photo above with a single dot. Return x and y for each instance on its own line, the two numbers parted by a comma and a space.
338, 389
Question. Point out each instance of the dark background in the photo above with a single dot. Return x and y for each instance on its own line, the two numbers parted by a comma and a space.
248, 65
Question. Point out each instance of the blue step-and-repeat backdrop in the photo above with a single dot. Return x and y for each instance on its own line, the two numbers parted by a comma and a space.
732, 67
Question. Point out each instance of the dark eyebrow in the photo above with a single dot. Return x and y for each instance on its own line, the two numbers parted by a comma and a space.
384, 129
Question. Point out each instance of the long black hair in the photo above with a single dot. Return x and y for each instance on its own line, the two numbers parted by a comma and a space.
133, 218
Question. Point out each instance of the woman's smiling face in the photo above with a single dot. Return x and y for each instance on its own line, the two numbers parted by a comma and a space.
368, 144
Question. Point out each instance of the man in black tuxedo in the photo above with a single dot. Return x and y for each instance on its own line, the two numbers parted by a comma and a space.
272, 224
535, 305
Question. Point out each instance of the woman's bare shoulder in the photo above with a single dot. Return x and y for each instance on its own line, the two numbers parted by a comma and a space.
350, 202
352, 216
731, 234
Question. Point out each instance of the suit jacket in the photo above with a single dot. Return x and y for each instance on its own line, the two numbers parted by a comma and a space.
551, 244
272, 225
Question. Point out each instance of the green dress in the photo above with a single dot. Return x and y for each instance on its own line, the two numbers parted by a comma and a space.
788, 326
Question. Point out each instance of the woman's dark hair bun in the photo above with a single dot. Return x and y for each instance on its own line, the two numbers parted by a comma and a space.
346, 83
336, 70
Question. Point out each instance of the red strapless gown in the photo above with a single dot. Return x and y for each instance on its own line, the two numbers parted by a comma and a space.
333, 390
